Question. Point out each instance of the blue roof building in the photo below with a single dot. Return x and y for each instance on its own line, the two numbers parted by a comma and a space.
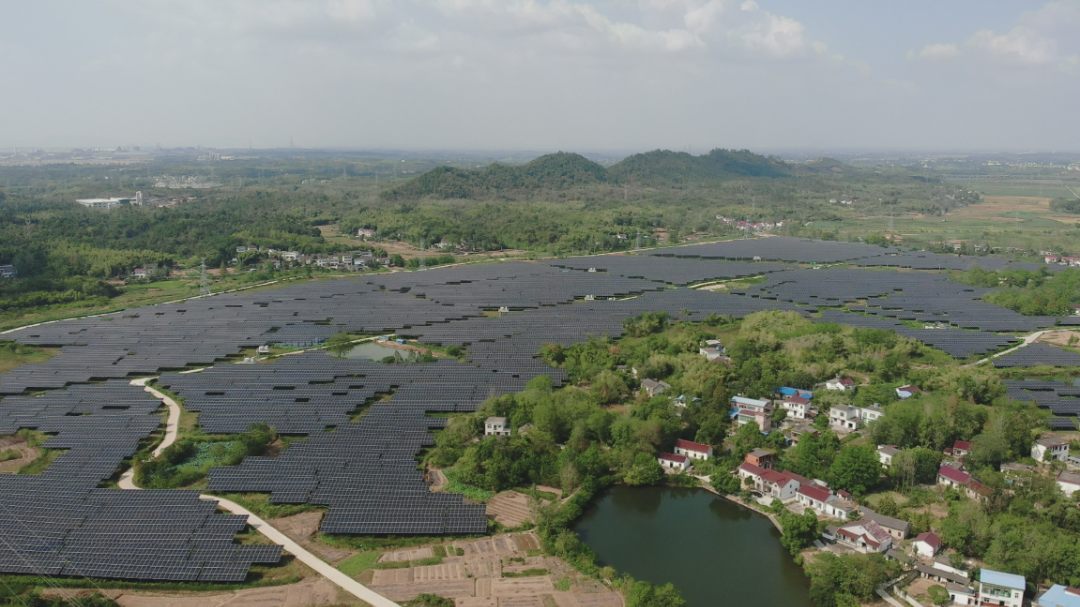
1060, 596
1001, 589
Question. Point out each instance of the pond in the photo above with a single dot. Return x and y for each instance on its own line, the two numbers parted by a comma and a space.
371, 351
717, 553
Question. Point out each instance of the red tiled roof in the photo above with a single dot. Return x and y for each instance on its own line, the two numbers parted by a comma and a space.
798, 400
874, 534
814, 493
961, 444
953, 474
780, 479
751, 469
671, 457
802, 480
930, 538
691, 446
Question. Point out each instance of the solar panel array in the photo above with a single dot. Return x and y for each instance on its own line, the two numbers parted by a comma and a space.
1063, 400
954, 342
778, 248
365, 470
671, 271
1039, 355
358, 455
60, 523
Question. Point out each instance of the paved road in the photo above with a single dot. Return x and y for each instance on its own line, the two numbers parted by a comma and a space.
1028, 340
346, 583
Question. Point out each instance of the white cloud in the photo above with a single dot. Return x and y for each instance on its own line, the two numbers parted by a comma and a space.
938, 52
1046, 38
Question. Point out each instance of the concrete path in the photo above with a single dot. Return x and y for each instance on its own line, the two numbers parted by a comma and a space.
888, 597
172, 426
346, 583
1028, 340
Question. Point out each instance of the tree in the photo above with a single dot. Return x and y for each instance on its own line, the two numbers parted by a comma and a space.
397, 260
339, 343
800, 530
856, 469
608, 388
644, 594
938, 594
987, 451
645, 471
849, 579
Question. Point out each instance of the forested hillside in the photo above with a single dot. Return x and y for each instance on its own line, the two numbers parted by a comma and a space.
562, 171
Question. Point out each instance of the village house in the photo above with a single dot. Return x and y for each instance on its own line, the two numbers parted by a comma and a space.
140, 273
751, 404
796, 406
762, 458
800, 429
886, 453
951, 477
845, 417
780, 485
905, 392
760, 419
843, 384
496, 426
1001, 589
670, 461
693, 450
961, 448
824, 501
365, 233
865, 536
652, 388
1059, 596
961, 594
711, 354
8, 271
1047, 449
926, 544
895, 527
1068, 482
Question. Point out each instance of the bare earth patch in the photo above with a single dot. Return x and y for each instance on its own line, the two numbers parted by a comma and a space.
26, 453
510, 509
479, 577
311, 592
301, 528
1060, 338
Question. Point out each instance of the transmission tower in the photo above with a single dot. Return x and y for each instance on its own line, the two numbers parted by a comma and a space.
204, 284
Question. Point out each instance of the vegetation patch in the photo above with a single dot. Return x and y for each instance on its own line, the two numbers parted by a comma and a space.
190, 459
359, 563
456, 485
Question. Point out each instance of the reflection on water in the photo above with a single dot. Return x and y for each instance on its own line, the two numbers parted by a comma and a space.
714, 551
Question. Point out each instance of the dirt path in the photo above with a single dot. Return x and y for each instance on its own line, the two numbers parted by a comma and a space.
322, 567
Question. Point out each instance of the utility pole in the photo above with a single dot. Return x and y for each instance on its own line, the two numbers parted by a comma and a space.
204, 284
423, 263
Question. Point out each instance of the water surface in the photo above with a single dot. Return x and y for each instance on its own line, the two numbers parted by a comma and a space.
372, 351
717, 553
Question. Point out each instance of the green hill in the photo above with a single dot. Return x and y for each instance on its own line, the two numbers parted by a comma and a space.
662, 167
564, 171
559, 171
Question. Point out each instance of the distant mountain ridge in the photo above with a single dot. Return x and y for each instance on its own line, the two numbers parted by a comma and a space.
562, 171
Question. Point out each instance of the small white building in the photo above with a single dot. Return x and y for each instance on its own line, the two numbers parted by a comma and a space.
843, 384
652, 388
1059, 596
1047, 449
845, 417
751, 404
886, 453
670, 461
693, 450
926, 544
796, 406
711, 354
496, 426
1001, 589
365, 233
871, 414
1068, 482
864, 536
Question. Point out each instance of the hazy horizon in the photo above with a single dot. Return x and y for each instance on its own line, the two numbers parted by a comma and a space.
600, 77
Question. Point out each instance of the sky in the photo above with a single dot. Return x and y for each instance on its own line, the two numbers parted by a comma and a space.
576, 75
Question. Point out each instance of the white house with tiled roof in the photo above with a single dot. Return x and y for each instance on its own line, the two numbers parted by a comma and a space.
693, 450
